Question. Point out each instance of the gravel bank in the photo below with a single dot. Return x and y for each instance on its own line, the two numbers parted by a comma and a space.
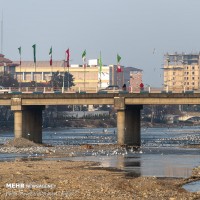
44, 179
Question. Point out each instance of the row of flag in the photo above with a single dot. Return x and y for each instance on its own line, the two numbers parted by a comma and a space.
68, 56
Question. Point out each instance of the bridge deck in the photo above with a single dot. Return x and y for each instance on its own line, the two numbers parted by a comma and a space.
94, 98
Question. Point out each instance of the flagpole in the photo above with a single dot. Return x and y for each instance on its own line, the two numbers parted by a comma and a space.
20, 75
100, 76
34, 57
84, 73
84, 76
19, 49
2, 33
63, 89
51, 63
68, 76
100, 66
84, 65
35, 77
52, 76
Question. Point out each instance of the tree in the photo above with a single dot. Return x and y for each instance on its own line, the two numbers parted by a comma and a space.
57, 80
7, 80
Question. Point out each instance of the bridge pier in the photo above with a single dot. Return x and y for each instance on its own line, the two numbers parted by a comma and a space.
128, 123
27, 121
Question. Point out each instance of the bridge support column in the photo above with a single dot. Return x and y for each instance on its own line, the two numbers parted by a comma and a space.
27, 121
32, 118
18, 124
132, 125
128, 122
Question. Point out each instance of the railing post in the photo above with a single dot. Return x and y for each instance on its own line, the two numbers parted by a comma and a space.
149, 89
167, 89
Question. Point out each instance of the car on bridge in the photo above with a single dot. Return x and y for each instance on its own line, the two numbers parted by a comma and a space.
111, 89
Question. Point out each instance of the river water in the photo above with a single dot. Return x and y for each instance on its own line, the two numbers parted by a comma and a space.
161, 154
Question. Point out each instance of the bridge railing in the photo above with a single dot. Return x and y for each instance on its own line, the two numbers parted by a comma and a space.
91, 90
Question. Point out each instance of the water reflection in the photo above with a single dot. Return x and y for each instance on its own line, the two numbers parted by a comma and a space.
192, 187
161, 153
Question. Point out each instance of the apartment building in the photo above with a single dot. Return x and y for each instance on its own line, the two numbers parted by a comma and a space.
181, 72
135, 78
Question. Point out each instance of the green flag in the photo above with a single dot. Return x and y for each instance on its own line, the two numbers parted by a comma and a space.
84, 54
34, 52
100, 63
84, 57
118, 58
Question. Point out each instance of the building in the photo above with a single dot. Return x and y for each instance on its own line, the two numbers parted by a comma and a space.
135, 78
7, 65
181, 72
84, 77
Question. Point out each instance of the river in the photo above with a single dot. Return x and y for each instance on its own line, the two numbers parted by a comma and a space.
161, 154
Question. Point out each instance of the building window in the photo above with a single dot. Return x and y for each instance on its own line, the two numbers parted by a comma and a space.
192, 67
192, 78
192, 83
192, 73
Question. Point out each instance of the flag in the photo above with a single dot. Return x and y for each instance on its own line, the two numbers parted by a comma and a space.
119, 69
34, 53
118, 58
84, 58
118, 63
100, 64
20, 51
50, 55
67, 57
84, 55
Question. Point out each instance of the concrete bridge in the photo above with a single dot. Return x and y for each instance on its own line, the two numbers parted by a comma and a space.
28, 108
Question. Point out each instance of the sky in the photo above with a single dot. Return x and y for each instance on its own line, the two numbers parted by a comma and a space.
140, 31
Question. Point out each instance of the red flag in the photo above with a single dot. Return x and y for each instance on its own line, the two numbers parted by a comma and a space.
50, 55
67, 57
119, 69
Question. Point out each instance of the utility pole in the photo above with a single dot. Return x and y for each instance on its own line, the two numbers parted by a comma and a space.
2, 34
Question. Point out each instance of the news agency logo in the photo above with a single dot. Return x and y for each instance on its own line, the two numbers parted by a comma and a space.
15, 185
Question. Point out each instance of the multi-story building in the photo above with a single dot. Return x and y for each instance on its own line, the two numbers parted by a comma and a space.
135, 78
181, 72
89, 76
7, 65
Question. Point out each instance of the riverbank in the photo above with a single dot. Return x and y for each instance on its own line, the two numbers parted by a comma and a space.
39, 178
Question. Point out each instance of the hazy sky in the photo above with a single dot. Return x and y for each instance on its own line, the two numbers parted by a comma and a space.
131, 28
